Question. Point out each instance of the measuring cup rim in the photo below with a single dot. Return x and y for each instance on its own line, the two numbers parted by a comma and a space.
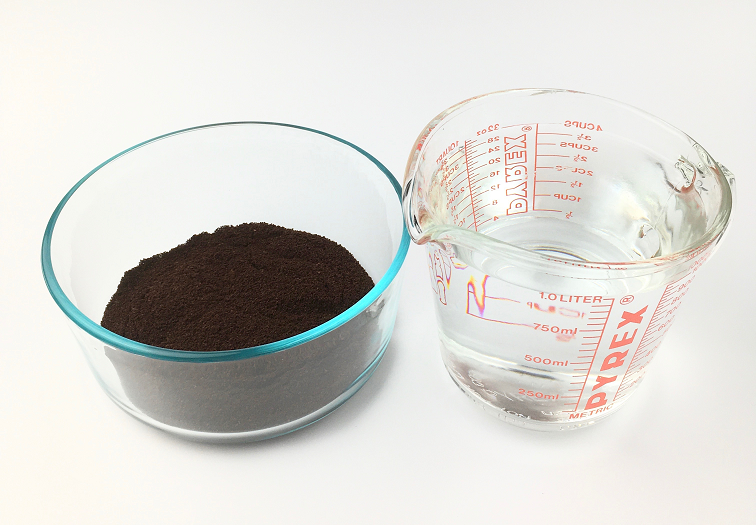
552, 264
94, 329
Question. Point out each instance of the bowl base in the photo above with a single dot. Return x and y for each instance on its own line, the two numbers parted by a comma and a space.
261, 434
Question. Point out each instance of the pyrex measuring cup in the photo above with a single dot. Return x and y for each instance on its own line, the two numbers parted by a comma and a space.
563, 229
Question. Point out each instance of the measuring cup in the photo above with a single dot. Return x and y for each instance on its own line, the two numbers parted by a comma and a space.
563, 230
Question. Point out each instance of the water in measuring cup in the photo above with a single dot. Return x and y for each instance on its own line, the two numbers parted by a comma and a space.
529, 355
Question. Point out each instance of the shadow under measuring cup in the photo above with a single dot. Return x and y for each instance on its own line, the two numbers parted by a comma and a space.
563, 229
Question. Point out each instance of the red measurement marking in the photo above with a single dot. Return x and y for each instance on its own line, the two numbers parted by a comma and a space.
476, 156
469, 185
535, 168
561, 181
459, 184
595, 346
505, 322
644, 345
565, 134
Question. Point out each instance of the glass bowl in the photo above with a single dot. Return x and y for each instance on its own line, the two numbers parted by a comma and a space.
156, 195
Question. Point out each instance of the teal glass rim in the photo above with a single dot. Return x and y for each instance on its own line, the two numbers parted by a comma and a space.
167, 354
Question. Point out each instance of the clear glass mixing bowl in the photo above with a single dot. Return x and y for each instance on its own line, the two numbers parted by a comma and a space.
156, 195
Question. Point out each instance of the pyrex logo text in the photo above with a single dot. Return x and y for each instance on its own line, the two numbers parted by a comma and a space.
614, 363
516, 171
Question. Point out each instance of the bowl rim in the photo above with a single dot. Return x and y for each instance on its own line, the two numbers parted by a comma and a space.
106, 336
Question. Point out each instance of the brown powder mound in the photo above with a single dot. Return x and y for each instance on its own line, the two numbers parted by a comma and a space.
237, 287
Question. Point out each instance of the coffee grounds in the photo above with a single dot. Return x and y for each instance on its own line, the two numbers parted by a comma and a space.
237, 287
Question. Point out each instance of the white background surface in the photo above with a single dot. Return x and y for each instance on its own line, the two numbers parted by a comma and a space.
81, 81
